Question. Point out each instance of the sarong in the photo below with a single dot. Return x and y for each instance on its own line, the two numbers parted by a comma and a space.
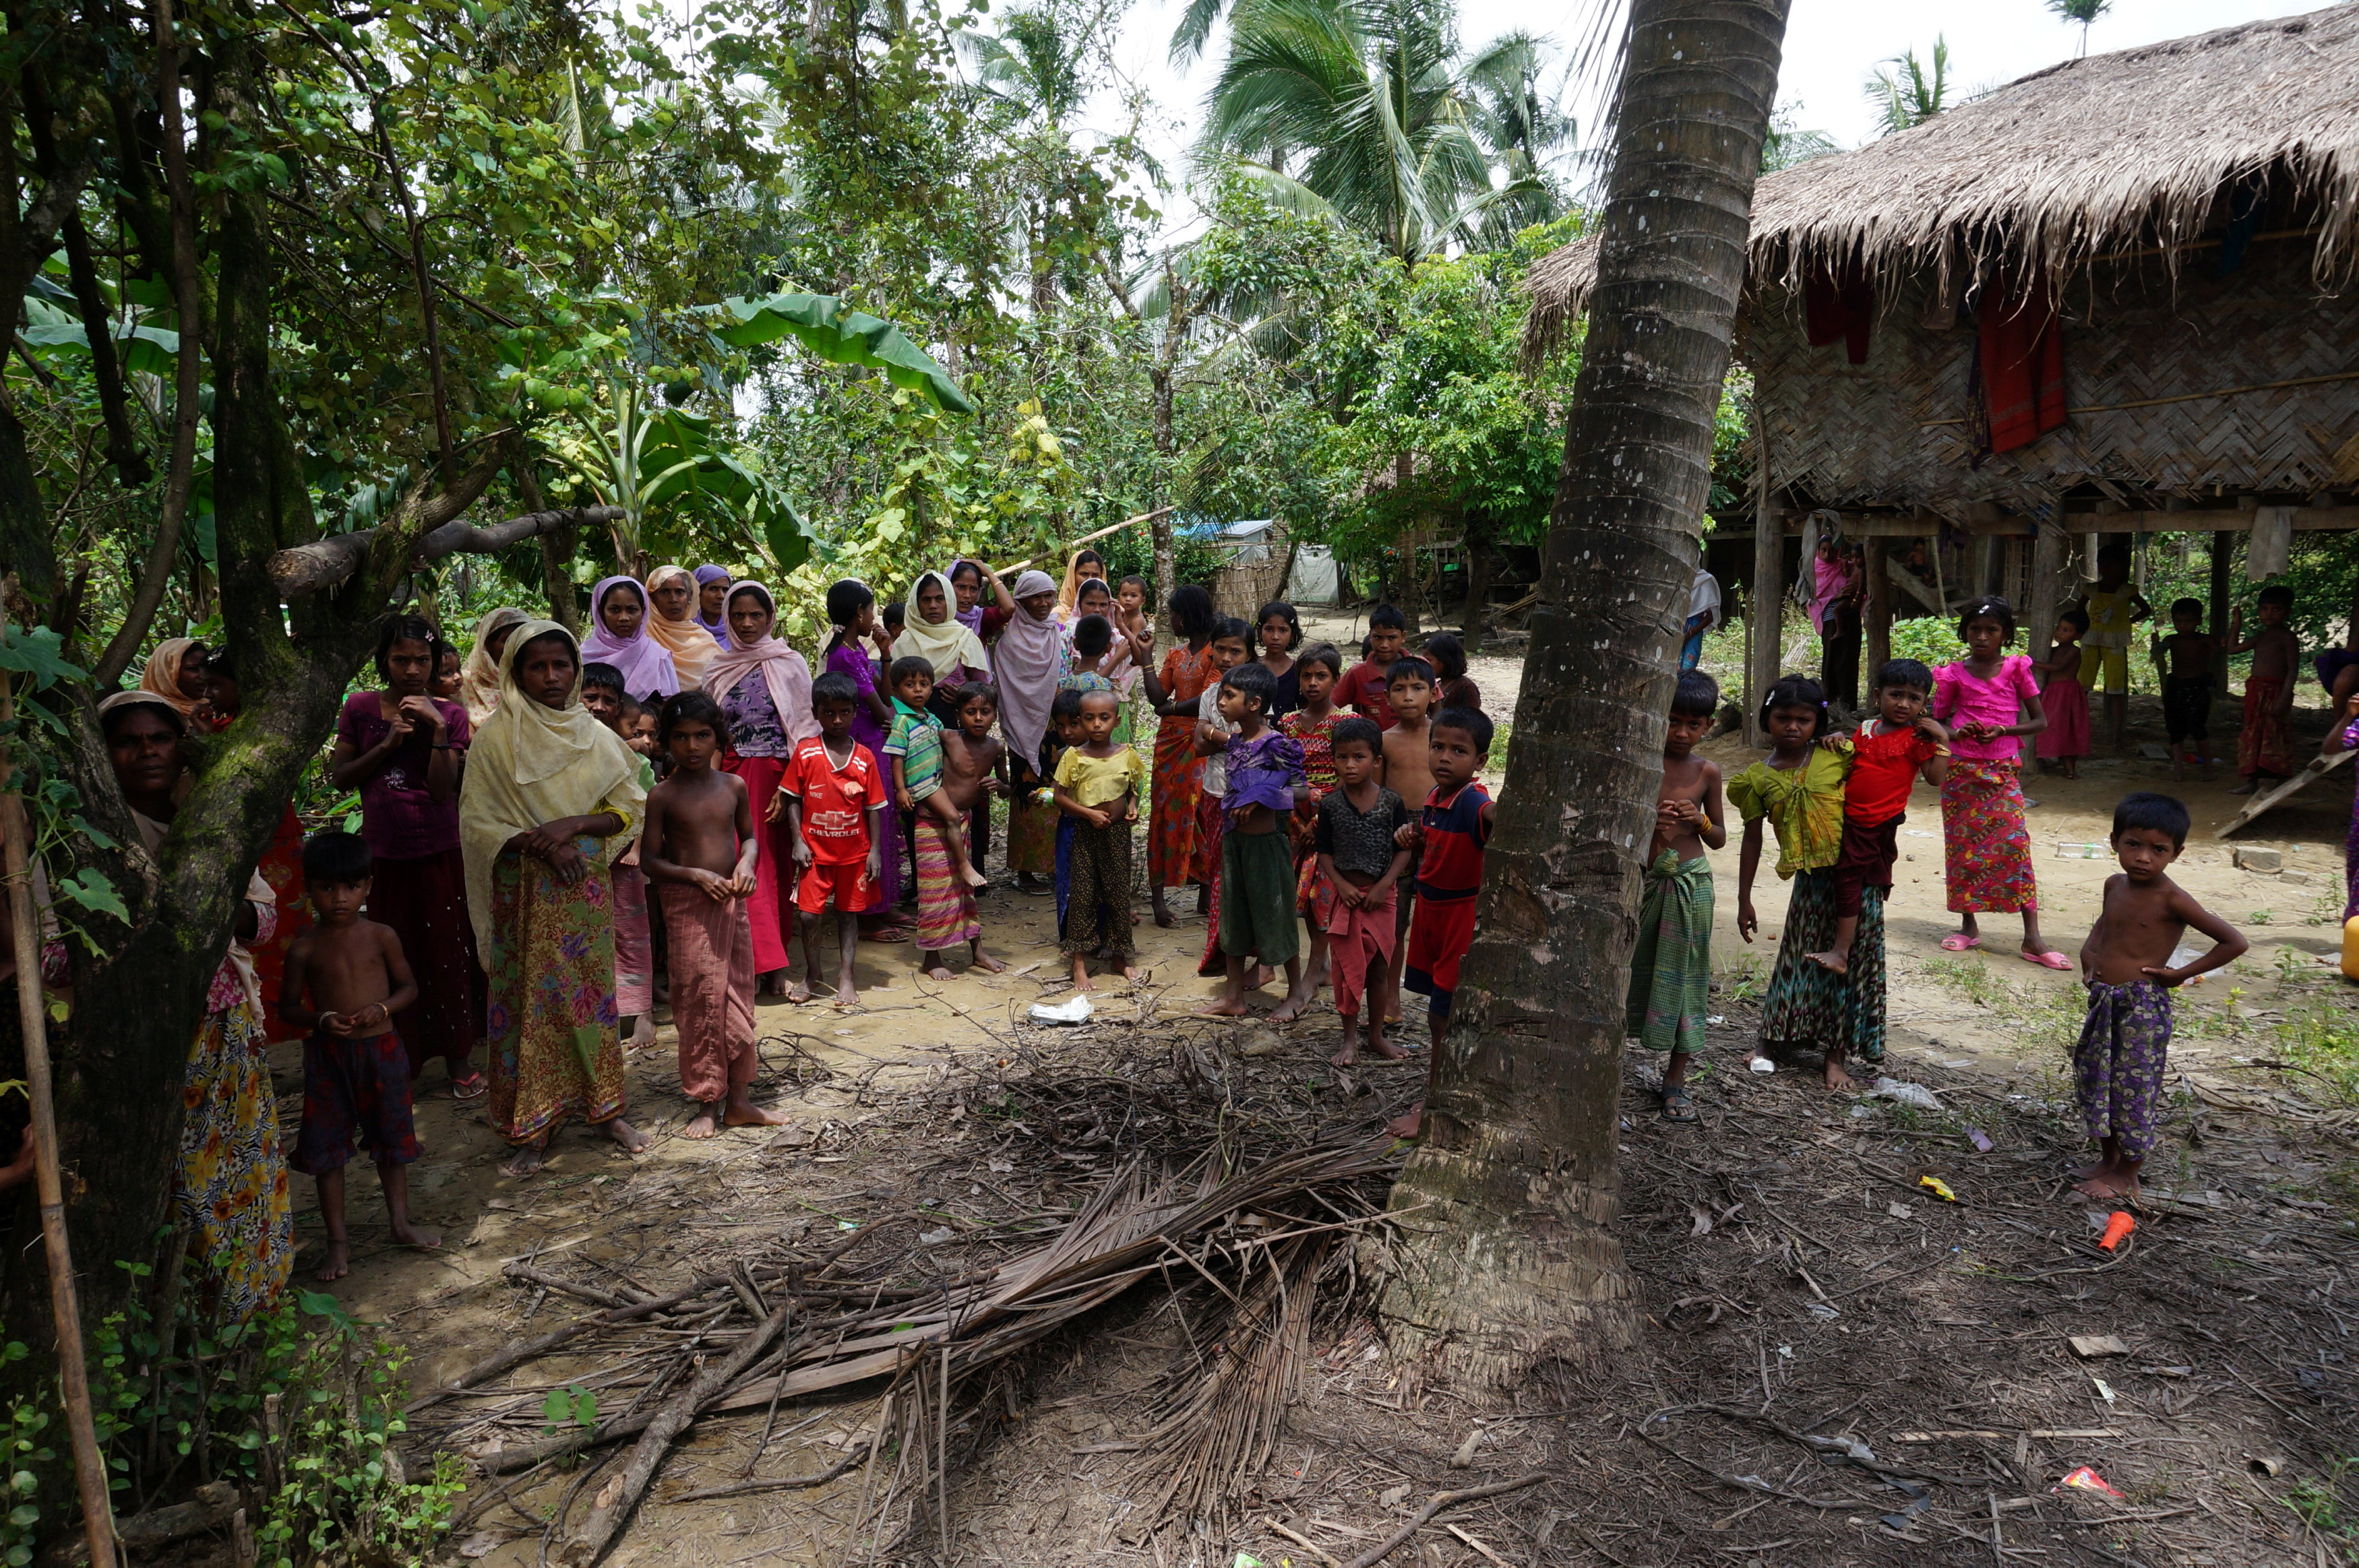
1031, 825
551, 1014
1099, 915
1209, 819
2187, 708
1359, 944
947, 916
1175, 843
1313, 897
1064, 878
425, 902
2264, 745
2118, 1066
1810, 1004
634, 957
1670, 969
771, 911
355, 1089
1257, 918
711, 989
231, 1191
1986, 846
886, 892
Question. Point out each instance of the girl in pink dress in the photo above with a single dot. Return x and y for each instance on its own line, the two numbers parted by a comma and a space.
1983, 697
2066, 739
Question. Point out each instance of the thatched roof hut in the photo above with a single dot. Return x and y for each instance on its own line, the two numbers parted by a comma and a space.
2116, 296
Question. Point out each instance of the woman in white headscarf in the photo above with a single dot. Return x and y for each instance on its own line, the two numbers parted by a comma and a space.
933, 632
1029, 659
549, 798
479, 683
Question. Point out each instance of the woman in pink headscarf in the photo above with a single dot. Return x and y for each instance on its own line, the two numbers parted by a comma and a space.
764, 690
618, 636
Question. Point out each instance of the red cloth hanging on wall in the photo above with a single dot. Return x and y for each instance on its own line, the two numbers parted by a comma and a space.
2022, 360
1839, 306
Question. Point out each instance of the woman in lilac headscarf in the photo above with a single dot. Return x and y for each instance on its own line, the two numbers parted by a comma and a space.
618, 636
713, 601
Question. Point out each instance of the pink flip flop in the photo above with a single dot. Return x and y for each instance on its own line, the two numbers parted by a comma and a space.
2051, 959
1958, 942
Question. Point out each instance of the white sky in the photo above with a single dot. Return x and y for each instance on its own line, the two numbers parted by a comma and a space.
1831, 47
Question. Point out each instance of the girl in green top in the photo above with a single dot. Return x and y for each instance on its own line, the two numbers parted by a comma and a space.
1798, 790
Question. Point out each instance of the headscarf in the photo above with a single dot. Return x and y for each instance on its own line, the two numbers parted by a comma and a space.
1030, 659
785, 672
479, 682
530, 764
646, 668
142, 694
720, 629
162, 676
1069, 592
946, 643
690, 643
970, 619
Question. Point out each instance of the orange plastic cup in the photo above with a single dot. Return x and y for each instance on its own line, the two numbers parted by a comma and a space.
2119, 1226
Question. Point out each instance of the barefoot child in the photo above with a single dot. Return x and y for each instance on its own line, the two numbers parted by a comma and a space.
834, 807
1209, 742
1448, 834
1986, 845
1364, 688
703, 854
603, 695
914, 753
1888, 753
2125, 963
345, 978
1359, 859
973, 770
1064, 734
1670, 969
2184, 661
1408, 774
1312, 724
1265, 784
2066, 739
2265, 745
2113, 608
1098, 785
1798, 790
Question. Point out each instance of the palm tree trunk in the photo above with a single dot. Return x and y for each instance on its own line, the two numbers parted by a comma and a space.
1511, 1258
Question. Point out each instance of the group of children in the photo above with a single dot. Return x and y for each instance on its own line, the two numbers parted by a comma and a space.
1835, 804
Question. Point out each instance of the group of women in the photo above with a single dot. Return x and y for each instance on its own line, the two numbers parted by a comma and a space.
496, 805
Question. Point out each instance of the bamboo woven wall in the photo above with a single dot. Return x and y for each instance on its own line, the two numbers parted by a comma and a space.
1890, 432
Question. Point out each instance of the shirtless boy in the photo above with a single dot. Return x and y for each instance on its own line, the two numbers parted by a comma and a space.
974, 768
2125, 963
2184, 661
1670, 969
345, 978
700, 850
1407, 771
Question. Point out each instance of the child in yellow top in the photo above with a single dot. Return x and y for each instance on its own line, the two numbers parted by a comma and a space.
2114, 607
1098, 784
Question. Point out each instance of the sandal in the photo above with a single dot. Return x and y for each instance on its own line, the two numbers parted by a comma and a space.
1678, 1106
2050, 959
887, 934
474, 1086
1958, 942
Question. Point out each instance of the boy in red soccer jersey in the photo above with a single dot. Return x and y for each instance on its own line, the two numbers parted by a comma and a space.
833, 801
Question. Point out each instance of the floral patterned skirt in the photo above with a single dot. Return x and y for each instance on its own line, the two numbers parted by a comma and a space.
552, 1015
232, 1178
1808, 1003
1988, 847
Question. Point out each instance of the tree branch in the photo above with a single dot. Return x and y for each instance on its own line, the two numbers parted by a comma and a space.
180, 471
107, 369
308, 568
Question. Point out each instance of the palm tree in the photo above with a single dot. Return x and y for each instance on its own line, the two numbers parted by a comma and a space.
1521, 119
1906, 93
2082, 11
1787, 145
1375, 107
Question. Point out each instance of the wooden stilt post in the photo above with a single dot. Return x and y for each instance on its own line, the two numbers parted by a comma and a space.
1769, 608
2048, 559
90, 1466
2224, 550
1879, 616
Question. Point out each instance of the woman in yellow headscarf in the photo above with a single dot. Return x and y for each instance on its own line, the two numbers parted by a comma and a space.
175, 671
673, 625
479, 682
549, 797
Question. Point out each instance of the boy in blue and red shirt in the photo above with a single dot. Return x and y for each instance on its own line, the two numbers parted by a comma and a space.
1449, 835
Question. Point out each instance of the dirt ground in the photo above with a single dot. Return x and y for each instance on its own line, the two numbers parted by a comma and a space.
1844, 1365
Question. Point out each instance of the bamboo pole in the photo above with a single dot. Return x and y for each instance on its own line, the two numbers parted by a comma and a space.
1088, 538
74, 1377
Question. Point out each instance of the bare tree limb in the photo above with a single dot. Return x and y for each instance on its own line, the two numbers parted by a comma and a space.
308, 568
179, 471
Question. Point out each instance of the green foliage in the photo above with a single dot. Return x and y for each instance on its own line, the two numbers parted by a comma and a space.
839, 337
21, 1458
1908, 91
571, 1406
